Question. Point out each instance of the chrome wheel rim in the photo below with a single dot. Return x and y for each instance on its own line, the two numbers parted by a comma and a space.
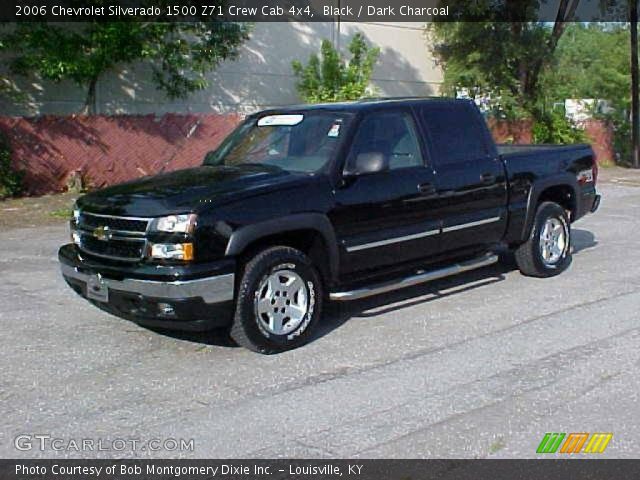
553, 241
282, 302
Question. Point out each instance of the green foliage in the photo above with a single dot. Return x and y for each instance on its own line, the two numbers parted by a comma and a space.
180, 54
553, 127
10, 180
493, 60
592, 61
521, 70
64, 213
331, 78
503, 58
8, 90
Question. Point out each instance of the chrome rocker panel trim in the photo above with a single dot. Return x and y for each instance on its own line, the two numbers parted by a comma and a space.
414, 236
416, 279
470, 224
389, 241
215, 289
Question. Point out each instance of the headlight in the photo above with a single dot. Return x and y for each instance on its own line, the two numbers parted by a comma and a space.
172, 251
75, 235
175, 223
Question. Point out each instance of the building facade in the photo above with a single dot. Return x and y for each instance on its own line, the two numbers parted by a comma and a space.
260, 77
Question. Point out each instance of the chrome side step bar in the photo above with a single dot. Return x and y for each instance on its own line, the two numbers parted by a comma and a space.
419, 277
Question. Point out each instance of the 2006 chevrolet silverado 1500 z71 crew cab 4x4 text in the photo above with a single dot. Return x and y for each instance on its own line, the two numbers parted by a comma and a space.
327, 202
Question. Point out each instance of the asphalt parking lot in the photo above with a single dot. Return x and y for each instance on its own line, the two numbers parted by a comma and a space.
479, 365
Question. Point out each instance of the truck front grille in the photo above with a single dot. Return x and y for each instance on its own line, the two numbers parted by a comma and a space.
122, 224
127, 250
113, 237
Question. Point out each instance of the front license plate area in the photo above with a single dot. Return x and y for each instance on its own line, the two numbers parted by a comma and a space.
97, 289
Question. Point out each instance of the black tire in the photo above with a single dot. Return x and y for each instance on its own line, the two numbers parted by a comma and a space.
529, 256
249, 329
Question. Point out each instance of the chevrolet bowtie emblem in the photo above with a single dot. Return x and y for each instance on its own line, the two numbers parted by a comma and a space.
102, 233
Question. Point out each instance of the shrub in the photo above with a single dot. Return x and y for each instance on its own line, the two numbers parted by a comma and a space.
331, 78
554, 127
10, 180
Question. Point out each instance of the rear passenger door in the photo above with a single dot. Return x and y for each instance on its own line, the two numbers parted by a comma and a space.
470, 180
385, 218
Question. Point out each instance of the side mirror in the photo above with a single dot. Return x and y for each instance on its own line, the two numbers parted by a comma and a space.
367, 163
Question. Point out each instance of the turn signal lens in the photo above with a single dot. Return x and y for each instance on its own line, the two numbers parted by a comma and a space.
172, 251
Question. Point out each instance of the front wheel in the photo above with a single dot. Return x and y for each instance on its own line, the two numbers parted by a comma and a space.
279, 301
547, 250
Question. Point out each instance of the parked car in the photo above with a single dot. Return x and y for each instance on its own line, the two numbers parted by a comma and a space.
333, 202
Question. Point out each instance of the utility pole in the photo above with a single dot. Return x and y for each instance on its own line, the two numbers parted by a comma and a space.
635, 117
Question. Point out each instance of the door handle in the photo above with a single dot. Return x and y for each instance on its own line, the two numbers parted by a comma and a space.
487, 178
427, 188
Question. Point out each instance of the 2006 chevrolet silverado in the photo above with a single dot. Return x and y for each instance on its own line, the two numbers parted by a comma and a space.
327, 202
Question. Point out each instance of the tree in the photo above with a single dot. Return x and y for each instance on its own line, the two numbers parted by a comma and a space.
592, 61
10, 179
503, 56
8, 89
180, 54
332, 78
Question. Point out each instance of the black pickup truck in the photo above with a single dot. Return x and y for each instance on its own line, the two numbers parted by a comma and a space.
302, 205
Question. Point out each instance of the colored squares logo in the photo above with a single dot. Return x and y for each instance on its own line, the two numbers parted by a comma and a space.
574, 442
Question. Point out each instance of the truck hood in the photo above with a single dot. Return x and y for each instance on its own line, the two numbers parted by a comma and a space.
185, 190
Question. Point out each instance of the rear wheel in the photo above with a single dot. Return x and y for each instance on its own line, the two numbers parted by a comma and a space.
547, 250
279, 301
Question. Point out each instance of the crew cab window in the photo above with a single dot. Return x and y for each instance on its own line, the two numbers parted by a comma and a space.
455, 134
393, 134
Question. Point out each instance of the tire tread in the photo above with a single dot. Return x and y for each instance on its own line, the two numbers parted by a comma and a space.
251, 269
526, 255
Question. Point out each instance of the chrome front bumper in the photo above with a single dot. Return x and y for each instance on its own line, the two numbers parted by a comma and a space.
214, 289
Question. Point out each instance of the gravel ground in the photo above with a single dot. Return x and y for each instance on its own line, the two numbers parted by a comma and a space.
478, 365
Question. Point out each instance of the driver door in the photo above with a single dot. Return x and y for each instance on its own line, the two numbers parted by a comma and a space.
386, 217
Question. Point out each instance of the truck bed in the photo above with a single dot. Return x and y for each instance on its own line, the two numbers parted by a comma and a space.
506, 149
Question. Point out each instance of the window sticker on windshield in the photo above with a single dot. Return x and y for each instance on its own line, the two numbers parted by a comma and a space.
334, 131
277, 120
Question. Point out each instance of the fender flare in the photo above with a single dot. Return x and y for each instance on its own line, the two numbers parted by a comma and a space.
565, 180
318, 222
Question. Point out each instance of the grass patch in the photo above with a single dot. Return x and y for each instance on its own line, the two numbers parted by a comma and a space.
64, 213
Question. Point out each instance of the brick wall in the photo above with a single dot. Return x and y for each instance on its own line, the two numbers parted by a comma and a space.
109, 149
599, 135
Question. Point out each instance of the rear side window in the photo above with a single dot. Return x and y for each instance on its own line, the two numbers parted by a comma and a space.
393, 134
455, 132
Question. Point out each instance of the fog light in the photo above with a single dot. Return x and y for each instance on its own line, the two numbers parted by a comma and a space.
173, 251
166, 309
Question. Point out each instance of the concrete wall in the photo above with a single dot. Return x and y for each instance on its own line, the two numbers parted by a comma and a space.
261, 76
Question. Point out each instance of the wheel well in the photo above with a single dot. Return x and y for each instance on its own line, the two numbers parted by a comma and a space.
563, 195
308, 241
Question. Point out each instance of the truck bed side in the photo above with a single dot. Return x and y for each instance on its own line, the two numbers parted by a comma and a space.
546, 172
